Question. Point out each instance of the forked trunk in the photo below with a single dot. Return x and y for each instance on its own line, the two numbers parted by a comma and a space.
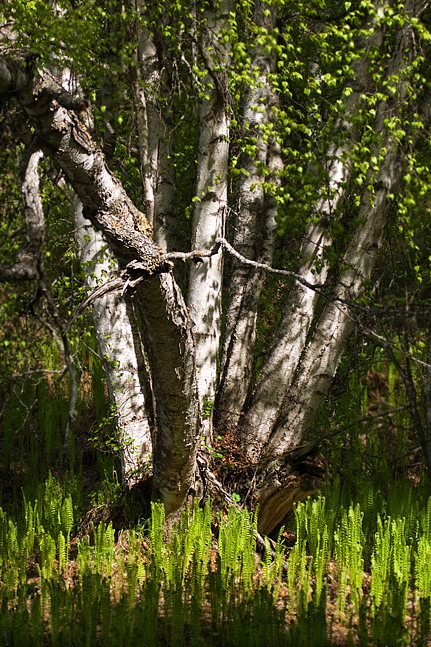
166, 415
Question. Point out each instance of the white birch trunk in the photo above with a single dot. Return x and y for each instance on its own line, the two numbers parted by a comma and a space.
120, 347
319, 364
165, 218
155, 140
115, 326
146, 86
290, 339
287, 346
256, 221
317, 367
204, 297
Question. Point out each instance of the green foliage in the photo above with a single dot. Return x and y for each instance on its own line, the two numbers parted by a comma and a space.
138, 587
391, 566
316, 54
349, 545
162, 592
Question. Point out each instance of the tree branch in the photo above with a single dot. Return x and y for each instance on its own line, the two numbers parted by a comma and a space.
304, 449
28, 265
263, 266
131, 276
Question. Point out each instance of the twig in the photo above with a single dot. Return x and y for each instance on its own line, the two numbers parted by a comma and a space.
317, 287
91, 350
67, 356
114, 285
196, 255
404, 455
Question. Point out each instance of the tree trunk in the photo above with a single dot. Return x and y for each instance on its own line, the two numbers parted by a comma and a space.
121, 349
287, 380
205, 284
300, 307
267, 421
152, 92
255, 234
29, 262
167, 327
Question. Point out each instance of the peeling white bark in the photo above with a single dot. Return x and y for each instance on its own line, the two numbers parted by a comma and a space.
204, 297
155, 140
29, 261
146, 87
287, 346
165, 218
255, 233
320, 360
319, 364
119, 344
165, 316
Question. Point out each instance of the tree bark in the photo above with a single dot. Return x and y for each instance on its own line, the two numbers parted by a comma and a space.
320, 360
255, 235
121, 350
182, 343
286, 360
205, 284
29, 262
152, 91
166, 320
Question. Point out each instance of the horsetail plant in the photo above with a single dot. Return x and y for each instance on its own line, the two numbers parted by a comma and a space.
144, 590
349, 543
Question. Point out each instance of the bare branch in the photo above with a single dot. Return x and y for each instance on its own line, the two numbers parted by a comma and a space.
400, 457
263, 266
196, 255
36, 371
320, 289
110, 287
304, 449
125, 280
129, 279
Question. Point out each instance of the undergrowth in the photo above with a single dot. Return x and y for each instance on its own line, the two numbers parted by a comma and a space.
362, 566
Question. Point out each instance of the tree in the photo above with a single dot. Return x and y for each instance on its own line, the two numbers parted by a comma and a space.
263, 140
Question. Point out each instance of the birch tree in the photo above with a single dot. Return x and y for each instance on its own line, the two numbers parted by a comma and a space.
256, 142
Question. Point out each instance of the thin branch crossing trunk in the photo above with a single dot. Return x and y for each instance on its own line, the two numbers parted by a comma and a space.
205, 283
255, 235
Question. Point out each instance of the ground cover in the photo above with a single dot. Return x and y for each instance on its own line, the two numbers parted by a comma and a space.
347, 571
